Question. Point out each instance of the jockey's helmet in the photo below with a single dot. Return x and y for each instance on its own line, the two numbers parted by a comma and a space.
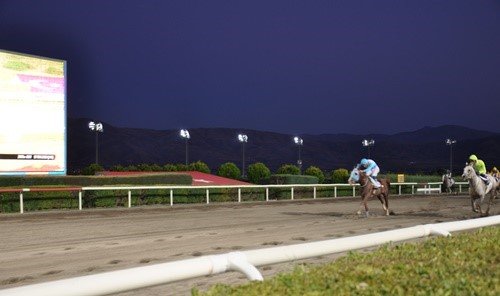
473, 157
364, 161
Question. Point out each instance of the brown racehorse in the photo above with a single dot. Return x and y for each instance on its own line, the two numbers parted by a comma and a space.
368, 190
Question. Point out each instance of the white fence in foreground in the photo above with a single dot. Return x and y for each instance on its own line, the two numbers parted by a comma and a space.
246, 262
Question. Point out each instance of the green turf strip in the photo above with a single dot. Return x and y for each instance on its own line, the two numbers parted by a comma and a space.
464, 264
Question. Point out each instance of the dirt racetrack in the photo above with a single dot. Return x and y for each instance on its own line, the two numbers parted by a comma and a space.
39, 247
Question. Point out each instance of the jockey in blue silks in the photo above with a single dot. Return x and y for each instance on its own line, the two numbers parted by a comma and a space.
371, 169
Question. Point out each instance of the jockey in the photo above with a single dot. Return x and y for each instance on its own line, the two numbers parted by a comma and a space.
479, 167
447, 175
495, 173
370, 168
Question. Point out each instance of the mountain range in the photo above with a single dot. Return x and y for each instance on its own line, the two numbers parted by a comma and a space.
420, 151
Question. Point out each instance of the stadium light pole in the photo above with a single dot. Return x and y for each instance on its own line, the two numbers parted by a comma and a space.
299, 142
368, 143
185, 134
97, 128
451, 142
243, 140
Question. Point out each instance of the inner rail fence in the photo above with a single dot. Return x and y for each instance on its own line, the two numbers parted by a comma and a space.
290, 191
245, 261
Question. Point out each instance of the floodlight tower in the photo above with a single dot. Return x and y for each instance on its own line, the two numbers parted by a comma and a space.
97, 128
368, 144
299, 142
185, 134
243, 139
451, 142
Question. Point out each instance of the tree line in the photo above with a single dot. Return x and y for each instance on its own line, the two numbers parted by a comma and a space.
256, 173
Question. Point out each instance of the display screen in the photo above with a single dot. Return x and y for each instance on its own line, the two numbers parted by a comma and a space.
32, 115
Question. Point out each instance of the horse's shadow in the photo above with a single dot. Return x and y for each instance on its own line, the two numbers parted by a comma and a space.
335, 214
328, 214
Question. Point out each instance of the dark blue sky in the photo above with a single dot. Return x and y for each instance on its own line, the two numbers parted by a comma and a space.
286, 66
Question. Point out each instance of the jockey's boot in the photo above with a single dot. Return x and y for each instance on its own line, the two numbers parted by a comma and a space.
376, 182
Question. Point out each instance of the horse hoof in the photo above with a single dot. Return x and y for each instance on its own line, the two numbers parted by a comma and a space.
358, 212
367, 214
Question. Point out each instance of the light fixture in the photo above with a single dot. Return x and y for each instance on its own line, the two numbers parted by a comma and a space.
451, 142
300, 143
242, 138
184, 133
367, 143
96, 127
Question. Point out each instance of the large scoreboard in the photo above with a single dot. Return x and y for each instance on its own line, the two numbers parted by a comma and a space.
32, 115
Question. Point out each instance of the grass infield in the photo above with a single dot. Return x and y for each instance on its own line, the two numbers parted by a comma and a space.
464, 264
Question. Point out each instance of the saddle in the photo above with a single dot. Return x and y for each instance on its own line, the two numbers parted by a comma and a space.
485, 179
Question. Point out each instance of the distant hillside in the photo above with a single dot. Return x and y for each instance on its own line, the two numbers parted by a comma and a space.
423, 150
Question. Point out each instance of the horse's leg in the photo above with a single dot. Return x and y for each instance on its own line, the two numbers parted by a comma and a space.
492, 197
361, 205
479, 203
386, 198
367, 197
383, 200
473, 204
365, 201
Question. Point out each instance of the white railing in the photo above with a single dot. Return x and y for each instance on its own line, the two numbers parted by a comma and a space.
245, 262
428, 187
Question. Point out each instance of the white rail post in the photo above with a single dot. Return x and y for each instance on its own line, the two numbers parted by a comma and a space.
80, 200
353, 191
129, 195
314, 192
208, 196
267, 193
291, 193
399, 189
459, 188
335, 191
239, 194
171, 197
412, 189
21, 203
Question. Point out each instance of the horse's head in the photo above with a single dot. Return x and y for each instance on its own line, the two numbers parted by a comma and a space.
354, 177
357, 176
469, 172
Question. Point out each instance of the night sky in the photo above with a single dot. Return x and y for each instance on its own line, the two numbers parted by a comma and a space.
285, 66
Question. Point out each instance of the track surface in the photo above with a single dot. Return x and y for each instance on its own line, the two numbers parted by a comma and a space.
39, 247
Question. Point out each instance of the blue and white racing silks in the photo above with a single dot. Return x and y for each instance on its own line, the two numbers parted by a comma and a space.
369, 167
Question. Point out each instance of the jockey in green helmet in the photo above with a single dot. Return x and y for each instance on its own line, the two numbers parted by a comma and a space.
479, 167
